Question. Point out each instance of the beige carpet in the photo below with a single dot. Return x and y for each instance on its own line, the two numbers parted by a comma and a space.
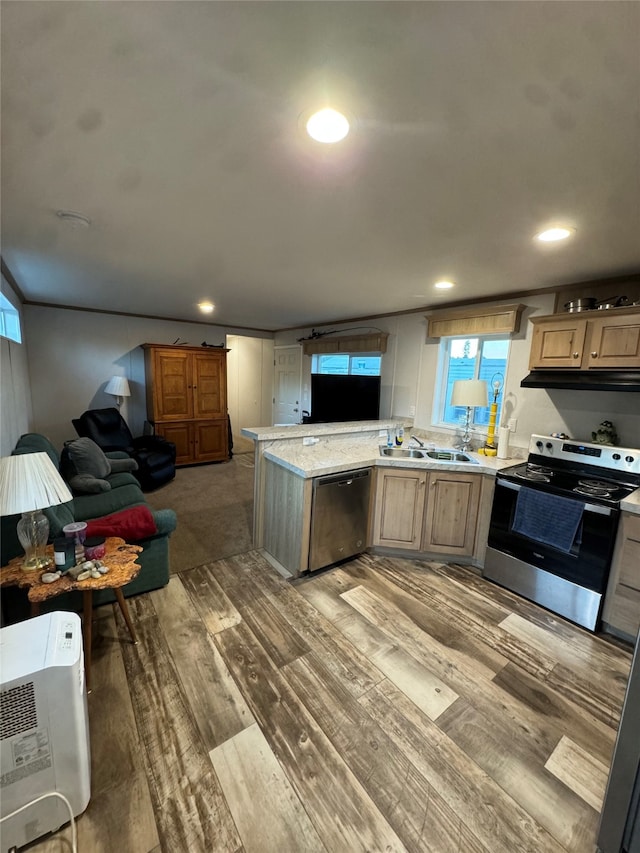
214, 505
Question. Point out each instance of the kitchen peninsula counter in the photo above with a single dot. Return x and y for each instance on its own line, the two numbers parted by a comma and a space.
334, 457
289, 458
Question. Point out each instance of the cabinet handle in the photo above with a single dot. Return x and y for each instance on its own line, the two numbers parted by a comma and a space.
433, 482
594, 355
576, 354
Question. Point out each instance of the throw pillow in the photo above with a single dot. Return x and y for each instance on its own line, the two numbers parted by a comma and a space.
131, 524
84, 466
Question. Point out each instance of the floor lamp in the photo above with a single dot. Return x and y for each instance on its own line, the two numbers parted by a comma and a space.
470, 393
119, 387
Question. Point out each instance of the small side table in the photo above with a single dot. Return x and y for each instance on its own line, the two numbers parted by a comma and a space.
121, 560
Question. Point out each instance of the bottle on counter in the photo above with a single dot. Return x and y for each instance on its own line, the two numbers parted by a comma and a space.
389, 437
399, 436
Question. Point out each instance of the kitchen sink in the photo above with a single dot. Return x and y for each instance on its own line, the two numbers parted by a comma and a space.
403, 452
449, 456
436, 455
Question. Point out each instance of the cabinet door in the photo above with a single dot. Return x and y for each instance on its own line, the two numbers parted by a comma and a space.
558, 343
210, 440
451, 513
622, 601
173, 385
615, 342
181, 434
399, 508
209, 385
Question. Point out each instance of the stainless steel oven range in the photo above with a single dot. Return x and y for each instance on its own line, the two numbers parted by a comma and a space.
554, 521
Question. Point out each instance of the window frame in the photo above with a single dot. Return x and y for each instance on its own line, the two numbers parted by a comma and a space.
442, 372
317, 357
10, 320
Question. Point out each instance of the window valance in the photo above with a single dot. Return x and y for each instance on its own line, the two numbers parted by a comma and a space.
372, 342
474, 320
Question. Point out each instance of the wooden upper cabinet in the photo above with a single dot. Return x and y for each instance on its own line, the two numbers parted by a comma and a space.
209, 385
172, 394
615, 342
588, 340
557, 342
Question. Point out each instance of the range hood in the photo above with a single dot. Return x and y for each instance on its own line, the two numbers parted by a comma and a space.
584, 380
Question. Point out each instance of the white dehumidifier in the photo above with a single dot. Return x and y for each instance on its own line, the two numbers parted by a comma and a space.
44, 726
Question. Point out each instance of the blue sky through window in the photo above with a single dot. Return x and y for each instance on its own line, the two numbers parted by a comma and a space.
474, 358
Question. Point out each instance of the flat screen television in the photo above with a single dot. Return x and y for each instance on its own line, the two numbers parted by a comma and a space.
336, 397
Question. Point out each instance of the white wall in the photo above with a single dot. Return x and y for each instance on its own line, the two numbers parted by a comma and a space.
73, 354
400, 365
15, 392
249, 385
410, 366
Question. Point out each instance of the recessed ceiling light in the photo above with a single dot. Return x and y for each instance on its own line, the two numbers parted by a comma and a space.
327, 126
444, 285
73, 219
205, 307
558, 232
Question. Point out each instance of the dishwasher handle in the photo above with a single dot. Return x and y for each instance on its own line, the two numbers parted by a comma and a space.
344, 478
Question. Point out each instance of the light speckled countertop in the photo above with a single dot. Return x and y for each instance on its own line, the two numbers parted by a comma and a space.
631, 503
302, 430
333, 457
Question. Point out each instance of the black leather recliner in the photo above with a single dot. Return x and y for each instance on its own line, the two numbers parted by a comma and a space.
155, 456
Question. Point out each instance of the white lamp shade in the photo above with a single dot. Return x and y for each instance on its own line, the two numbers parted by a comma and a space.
28, 482
469, 392
118, 386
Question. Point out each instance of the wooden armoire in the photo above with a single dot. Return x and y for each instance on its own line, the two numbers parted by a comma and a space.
187, 400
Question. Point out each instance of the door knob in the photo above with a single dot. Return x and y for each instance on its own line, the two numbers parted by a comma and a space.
594, 355
576, 354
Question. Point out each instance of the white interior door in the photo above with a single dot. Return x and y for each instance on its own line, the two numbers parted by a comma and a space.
287, 385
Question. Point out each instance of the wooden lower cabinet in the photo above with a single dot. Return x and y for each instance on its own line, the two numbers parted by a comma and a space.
451, 513
435, 512
399, 508
197, 441
622, 601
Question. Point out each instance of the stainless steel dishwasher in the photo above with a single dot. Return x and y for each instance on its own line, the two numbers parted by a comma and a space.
339, 516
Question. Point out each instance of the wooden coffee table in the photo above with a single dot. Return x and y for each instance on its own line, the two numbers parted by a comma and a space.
121, 560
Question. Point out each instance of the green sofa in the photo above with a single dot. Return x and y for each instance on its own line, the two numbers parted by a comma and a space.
125, 492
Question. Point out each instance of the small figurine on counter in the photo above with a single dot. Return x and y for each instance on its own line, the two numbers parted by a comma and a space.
605, 434
561, 435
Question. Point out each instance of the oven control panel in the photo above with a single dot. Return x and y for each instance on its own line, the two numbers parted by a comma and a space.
601, 455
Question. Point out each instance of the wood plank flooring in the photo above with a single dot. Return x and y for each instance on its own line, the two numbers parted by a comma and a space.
385, 705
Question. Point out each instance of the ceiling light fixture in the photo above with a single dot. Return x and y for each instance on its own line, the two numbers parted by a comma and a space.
444, 285
205, 307
552, 235
327, 126
73, 219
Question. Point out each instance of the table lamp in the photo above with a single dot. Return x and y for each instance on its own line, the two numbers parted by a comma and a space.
119, 387
30, 482
469, 393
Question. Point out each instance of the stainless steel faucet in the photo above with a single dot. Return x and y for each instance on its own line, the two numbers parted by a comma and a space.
415, 438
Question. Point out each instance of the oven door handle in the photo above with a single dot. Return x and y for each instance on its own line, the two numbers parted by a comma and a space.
596, 508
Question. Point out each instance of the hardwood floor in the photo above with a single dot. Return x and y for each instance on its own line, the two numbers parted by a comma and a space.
384, 705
